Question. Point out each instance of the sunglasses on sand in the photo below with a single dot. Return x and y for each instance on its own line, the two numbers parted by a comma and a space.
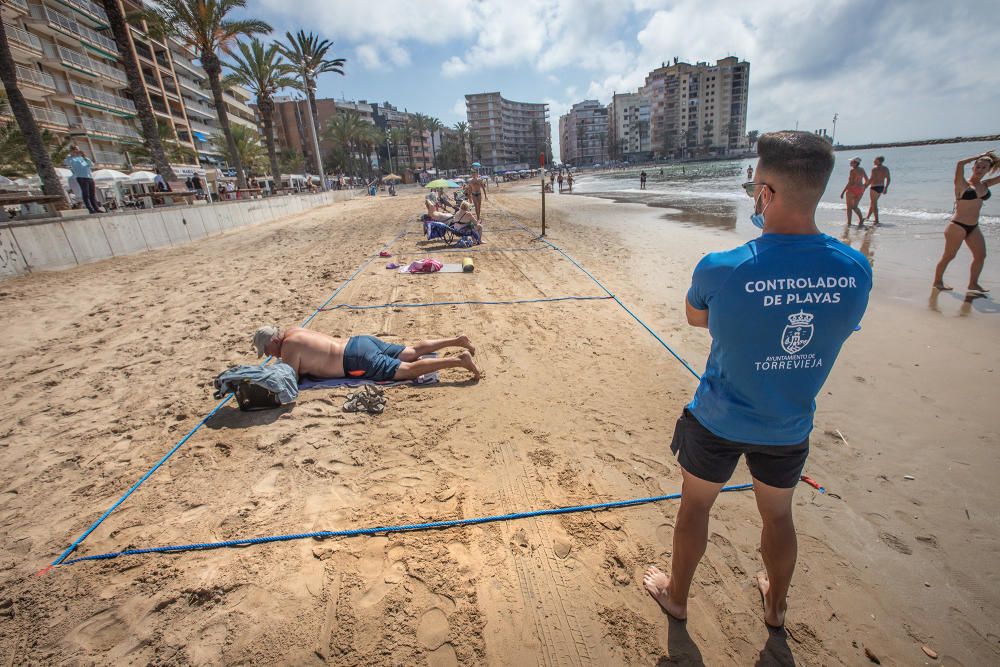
750, 186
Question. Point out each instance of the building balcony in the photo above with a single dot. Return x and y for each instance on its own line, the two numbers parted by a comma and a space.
23, 41
17, 6
109, 158
47, 18
42, 83
92, 97
47, 118
86, 65
88, 10
198, 110
103, 129
182, 63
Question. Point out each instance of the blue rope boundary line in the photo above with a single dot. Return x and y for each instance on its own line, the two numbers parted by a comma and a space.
72, 547
348, 306
383, 530
611, 295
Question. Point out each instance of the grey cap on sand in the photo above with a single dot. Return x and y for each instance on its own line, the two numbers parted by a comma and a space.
263, 336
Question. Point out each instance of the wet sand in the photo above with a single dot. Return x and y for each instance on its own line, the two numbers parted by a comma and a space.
108, 365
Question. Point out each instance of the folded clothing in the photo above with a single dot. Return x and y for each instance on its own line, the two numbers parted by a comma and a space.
427, 265
278, 379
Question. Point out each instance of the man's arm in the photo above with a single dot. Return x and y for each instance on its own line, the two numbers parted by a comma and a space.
696, 317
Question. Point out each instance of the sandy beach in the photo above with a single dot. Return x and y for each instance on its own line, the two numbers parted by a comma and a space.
109, 365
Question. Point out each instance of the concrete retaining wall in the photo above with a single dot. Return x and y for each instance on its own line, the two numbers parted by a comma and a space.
38, 245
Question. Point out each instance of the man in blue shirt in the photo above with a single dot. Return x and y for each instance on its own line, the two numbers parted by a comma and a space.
81, 168
779, 308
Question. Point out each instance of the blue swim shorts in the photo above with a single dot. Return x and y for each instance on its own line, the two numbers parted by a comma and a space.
369, 358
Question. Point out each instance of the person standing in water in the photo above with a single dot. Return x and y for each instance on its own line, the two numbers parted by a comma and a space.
964, 226
642, 181
878, 184
749, 172
857, 181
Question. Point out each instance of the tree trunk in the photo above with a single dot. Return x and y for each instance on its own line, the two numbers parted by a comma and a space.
29, 129
150, 133
213, 68
265, 106
314, 127
433, 151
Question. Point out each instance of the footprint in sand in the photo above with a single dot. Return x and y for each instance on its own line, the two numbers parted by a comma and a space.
268, 483
101, 632
443, 656
432, 631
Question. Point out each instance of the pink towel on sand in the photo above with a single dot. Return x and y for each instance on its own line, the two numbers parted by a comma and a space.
424, 266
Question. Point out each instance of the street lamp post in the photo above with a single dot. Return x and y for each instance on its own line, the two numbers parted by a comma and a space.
388, 152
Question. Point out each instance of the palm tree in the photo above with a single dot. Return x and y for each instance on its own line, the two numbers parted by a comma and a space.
248, 148
410, 134
143, 109
420, 125
307, 53
463, 139
35, 142
433, 125
261, 70
290, 161
204, 27
345, 130
15, 160
752, 137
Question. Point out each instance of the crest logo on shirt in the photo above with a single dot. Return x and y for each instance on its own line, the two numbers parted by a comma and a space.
797, 333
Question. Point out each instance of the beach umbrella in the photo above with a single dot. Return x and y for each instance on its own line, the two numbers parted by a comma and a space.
109, 175
476, 164
392, 177
142, 177
441, 183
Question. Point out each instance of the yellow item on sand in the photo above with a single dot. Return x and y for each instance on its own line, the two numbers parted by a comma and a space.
467, 265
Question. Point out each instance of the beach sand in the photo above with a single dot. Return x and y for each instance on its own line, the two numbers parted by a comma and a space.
108, 365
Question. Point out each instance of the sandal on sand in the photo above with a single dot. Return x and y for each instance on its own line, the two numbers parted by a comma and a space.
370, 399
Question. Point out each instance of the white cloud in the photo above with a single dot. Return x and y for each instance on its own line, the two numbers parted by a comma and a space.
454, 67
382, 57
458, 108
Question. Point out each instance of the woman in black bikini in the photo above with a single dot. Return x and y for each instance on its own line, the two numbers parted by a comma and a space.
964, 226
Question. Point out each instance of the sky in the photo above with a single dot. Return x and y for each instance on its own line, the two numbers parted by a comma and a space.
891, 71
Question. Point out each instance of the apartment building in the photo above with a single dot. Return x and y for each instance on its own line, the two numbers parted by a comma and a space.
698, 108
629, 128
583, 134
68, 67
415, 152
507, 134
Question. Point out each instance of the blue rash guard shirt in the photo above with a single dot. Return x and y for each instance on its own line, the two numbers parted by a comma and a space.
779, 309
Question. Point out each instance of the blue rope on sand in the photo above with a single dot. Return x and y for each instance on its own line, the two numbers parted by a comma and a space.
619, 301
383, 530
204, 419
460, 303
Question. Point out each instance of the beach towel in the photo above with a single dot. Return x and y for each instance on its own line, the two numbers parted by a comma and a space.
427, 265
445, 268
278, 379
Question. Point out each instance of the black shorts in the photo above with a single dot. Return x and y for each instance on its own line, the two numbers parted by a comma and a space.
709, 457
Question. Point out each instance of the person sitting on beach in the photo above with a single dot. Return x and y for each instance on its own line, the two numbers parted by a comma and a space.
364, 357
433, 211
879, 185
466, 219
964, 226
778, 308
857, 181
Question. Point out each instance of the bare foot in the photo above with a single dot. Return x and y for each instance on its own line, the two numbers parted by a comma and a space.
772, 618
941, 286
978, 288
464, 341
657, 585
469, 365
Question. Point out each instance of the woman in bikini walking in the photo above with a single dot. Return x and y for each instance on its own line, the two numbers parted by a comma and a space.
964, 226
857, 181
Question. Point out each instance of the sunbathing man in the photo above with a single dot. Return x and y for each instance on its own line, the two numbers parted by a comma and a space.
430, 202
316, 354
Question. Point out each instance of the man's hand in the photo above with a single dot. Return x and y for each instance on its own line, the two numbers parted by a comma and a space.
696, 317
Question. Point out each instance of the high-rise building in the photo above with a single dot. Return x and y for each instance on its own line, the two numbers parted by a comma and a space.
67, 65
506, 134
698, 108
629, 128
583, 134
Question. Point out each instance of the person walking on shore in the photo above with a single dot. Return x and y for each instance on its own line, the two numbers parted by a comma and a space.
642, 180
878, 185
569, 180
476, 187
749, 172
560, 179
857, 181
964, 226
778, 308
82, 167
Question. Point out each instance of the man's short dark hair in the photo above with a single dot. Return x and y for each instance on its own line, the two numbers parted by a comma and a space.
801, 158
880, 158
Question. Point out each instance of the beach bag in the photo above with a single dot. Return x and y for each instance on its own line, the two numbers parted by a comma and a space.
251, 397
